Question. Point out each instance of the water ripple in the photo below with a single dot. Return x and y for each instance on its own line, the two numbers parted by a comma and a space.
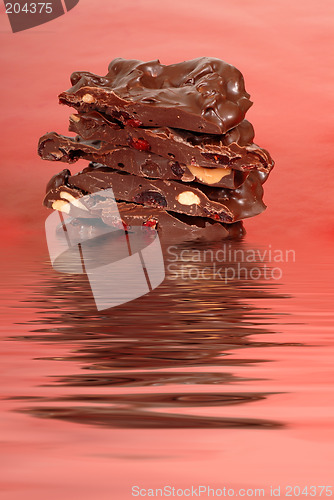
171, 336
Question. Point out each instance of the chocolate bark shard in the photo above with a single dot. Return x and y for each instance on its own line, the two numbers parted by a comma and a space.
56, 147
58, 180
224, 205
204, 95
91, 124
232, 150
170, 226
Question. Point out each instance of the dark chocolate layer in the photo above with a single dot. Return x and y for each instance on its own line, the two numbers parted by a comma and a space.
232, 150
171, 226
204, 95
56, 147
220, 204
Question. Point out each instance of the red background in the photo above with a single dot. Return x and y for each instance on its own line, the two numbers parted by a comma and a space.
283, 48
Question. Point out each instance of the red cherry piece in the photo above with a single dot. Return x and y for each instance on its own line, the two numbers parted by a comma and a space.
140, 144
150, 223
133, 122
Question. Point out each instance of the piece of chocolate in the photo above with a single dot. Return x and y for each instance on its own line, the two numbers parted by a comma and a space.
171, 227
233, 150
56, 147
220, 204
204, 95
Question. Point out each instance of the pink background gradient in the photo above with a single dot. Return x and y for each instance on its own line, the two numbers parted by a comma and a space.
284, 50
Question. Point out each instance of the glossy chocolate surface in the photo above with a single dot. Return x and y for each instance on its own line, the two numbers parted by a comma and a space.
234, 149
56, 147
219, 204
171, 227
204, 95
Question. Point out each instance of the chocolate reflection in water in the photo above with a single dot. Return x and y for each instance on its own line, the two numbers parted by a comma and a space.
186, 325
128, 411
145, 379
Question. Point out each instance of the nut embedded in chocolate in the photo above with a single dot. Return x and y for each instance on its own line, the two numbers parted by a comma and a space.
227, 205
171, 142
56, 147
235, 150
205, 94
170, 225
188, 198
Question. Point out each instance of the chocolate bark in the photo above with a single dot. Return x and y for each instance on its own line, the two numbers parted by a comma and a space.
220, 204
232, 150
204, 95
171, 227
56, 147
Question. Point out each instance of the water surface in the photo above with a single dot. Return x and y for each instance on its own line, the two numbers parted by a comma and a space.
205, 371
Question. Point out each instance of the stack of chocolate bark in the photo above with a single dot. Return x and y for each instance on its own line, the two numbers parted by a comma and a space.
171, 141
